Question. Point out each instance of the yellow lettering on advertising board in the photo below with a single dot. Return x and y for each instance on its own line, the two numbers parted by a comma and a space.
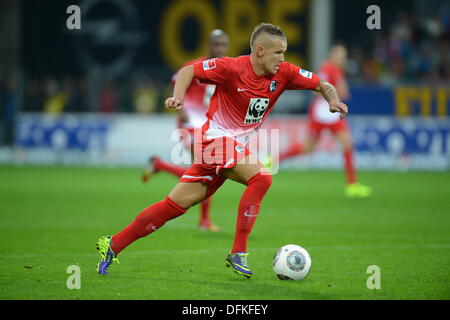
278, 12
407, 97
171, 25
241, 17
238, 18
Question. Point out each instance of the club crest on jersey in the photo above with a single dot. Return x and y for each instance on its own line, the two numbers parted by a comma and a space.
306, 73
209, 64
239, 149
273, 86
256, 109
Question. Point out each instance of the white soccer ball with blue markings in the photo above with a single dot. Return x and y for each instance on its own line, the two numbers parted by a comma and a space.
291, 262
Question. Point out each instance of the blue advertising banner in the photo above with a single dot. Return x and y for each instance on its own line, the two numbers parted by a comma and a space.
65, 132
402, 143
380, 143
402, 100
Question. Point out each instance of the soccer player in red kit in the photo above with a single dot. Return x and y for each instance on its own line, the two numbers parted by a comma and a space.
247, 88
320, 119
191, 117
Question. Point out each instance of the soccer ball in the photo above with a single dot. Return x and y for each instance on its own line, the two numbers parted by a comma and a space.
291, 262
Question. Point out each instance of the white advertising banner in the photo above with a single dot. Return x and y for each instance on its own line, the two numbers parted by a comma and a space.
380, 142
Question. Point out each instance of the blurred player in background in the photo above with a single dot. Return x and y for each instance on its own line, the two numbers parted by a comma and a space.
191, 117
247, 88
320, 119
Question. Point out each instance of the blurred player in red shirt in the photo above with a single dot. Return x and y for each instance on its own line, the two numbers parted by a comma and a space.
320, 119
191, 117
247, 88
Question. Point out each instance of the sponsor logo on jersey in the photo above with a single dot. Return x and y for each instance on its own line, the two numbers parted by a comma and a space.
306, 73
273, 86
209, 64
256, 109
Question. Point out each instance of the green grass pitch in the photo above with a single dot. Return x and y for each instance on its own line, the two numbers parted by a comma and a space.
51, 218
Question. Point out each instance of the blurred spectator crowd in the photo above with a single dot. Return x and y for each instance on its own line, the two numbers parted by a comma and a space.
8, 107
82, 94
413, 48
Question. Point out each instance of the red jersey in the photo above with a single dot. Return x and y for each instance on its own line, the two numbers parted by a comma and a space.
196, 100
319, 110
242, 100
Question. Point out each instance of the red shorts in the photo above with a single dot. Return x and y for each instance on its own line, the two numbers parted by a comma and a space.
210, 157
315, 128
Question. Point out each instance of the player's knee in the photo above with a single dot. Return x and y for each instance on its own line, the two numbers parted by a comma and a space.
181, 202
174, 209
188, 200
262, 180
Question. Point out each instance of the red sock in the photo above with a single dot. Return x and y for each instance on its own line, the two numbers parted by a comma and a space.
146, 222
349, 166
204, 211
294, 150
168, 167
248, 210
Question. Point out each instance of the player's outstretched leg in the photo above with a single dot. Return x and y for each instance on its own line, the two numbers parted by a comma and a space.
297, 148
149, 220
155, 164
150, 170
258, 183
354, 189
294, 149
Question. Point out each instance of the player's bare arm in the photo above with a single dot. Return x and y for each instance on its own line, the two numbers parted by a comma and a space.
342, 90
329, 93
184, 79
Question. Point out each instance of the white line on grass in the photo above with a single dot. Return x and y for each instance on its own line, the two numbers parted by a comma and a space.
311, 248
